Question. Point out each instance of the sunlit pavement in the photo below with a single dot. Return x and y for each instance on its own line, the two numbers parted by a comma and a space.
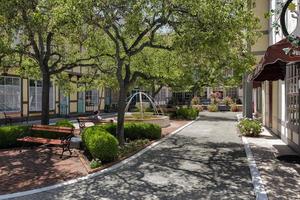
206, 160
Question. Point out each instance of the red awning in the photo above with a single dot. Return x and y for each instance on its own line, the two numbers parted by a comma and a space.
272, 66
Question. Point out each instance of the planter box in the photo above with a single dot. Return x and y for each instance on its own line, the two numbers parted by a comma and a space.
223, 108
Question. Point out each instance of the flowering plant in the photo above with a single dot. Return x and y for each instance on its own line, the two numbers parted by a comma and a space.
234, 108
215, 98
198, 107
227, 101
250, 127
195, 101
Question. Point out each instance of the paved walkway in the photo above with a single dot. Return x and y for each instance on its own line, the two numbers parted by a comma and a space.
281, 179
206, 160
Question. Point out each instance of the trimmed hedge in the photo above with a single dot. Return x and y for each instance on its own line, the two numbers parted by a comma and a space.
64, 123
187, 113
136, 130
9, 135
100, 143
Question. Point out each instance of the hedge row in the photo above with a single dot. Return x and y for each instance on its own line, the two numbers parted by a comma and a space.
9, 134
187, 113
135, 131
102, 144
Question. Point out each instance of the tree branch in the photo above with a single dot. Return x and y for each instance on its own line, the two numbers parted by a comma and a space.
48, 46
119, 37
31, 35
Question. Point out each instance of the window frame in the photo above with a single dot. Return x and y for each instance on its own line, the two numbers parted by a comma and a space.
292, 81
39, 84
19, 96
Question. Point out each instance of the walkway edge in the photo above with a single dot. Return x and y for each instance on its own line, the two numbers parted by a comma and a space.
257, 182
106, 170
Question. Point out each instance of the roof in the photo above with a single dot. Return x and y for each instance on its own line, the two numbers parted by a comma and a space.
272, 66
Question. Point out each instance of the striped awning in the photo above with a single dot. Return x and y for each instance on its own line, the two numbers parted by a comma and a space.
272, 66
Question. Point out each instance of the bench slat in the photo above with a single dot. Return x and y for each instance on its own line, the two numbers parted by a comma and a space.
66, 130
42, 140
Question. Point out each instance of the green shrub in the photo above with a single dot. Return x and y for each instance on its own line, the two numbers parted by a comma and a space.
136, 130
9, 135
132, 146
100, 143
95, 163
64, 123
187, 113
250, 127
149, 109
212, 108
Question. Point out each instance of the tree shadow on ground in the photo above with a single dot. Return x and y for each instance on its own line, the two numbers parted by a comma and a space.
281, 179
216, 118
175, 169
34, 168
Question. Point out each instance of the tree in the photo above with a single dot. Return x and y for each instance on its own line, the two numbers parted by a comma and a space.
44, 37
131, 27
161, 68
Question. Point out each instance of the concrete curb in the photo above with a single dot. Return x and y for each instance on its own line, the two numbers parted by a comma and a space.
106, 170
257, 182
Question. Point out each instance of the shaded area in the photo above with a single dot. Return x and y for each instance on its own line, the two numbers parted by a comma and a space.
281, 179
204, 161
295, 159
40, 167
35, 167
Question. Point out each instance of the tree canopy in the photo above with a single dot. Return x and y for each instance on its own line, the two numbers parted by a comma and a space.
162, 41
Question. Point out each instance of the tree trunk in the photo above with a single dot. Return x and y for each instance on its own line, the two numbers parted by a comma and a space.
121, 115
45, 98
248, 98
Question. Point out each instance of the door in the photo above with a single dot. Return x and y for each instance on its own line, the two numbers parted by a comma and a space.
81, 102
64, 104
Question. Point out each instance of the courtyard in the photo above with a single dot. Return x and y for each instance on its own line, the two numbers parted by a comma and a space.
150, 99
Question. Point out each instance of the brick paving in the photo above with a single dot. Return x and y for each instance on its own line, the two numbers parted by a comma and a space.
39, 167
36, 167
174, 124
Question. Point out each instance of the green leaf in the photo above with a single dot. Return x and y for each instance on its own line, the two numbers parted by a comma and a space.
292, 7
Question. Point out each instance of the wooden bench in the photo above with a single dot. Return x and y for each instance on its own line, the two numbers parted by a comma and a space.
83, 120
64, 141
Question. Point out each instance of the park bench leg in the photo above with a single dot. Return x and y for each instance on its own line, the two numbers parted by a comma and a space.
63, 150
66, 147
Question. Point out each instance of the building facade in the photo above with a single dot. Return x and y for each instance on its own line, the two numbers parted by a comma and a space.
22, 97
277, 82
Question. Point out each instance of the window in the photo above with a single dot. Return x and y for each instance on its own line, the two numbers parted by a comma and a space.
232, 92
91, 98
35, 96
10, 94
293, 100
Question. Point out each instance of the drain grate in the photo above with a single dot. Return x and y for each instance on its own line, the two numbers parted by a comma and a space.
289, 158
